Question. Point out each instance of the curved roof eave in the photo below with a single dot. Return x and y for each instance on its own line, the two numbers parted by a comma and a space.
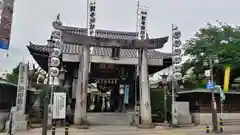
97, 51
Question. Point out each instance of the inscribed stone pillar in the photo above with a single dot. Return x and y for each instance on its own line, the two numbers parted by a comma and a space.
86, 60
20, 118
145, 103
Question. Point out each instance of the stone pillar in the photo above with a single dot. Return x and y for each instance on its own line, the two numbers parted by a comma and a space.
78, 93
20, 117
86, 60
145, 103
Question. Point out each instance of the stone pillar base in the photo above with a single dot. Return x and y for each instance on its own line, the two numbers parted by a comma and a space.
21, 123
141, 126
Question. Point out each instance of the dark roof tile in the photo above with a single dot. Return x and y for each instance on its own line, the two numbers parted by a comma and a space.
129, 53
97, 51
101, 33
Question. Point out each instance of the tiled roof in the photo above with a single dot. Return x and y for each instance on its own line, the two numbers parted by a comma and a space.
38, 48
100, 33
76, 49
129, 53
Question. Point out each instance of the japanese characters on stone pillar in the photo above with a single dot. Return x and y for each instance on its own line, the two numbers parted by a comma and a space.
19, 121
22, 88
91, 24
145, 103
91, 17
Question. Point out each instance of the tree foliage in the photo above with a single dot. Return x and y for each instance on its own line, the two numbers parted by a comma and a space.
220, 41
13, 76
33, 75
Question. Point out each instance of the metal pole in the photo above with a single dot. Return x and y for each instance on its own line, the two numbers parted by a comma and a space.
46, 98
52, 90
165, 104
214, 105
222, 105
45, 116
221, 119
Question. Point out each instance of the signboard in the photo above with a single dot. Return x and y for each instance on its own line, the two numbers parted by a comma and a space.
6, 12
59, 105
126, 94
222, 95
226, 78
22, 88
209, 85
207, 73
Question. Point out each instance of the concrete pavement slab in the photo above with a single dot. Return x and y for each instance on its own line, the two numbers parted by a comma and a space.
128, 130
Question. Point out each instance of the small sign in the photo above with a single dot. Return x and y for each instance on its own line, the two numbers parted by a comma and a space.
222, 95
126, 94
59, 105
209, 85
207, 73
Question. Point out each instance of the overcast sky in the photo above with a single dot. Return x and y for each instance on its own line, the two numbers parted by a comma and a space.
33, 19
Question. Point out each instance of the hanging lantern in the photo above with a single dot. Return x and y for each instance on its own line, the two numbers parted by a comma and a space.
57, 34
57, 22
177, 76
177, 42
55, 62
176, 68
54, 71
176, 50
177, 59
57, 42
56, 52
176, 34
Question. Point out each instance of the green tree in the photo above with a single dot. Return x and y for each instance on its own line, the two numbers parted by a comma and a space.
13, 76
221, 41
33, 75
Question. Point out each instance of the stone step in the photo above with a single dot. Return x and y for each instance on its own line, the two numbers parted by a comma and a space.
108, 118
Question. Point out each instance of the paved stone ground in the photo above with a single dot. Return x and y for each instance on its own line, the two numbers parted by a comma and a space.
127, 130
